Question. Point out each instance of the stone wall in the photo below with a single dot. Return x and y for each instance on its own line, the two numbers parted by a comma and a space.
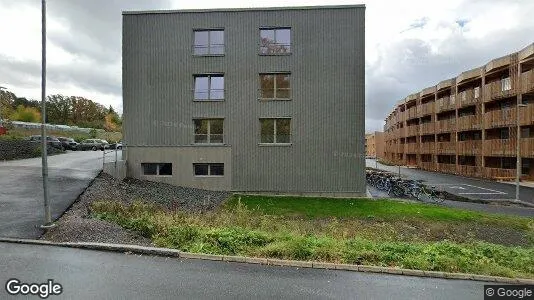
20, 149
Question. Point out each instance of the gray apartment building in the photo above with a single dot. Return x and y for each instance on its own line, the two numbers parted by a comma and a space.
261, 100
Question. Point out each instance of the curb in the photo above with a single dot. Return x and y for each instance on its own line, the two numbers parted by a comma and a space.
128, 249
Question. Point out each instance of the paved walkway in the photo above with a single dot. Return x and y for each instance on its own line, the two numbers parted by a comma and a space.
21, 189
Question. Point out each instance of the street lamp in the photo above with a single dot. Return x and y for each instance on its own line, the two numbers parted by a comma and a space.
1, 88
518, 152
48, 216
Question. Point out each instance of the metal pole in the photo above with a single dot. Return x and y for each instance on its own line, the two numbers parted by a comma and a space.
48, 216
116, 173
518, 156
1, 97
518, 138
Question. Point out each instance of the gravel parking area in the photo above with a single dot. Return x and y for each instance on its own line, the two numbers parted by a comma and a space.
77, 226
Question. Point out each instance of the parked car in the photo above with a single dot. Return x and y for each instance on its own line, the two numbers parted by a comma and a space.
68, 143
117, 145
50, 140
93, 144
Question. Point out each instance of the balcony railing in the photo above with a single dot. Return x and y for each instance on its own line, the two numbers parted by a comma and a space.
527, 147
411, 148
527, 81
427, 128
500, 117
427, 109
500, 147
494, 173
526, 115
499, 89
402, 116
468, 123
447, 125
468, 97
445, 103
412, 130
470, 147
411, 113
468, 171
427, 148
429, 166
446, 168
446, 148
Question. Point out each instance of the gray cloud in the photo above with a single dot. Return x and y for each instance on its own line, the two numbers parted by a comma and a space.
93, 37
408, 66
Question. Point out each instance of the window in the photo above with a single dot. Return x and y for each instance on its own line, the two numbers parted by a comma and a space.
209, 42
275, 86
210, 169
209, 87
156, 168
275, 41
505, 134
506, 84
208, 131
477, 92
275, 131
508, 163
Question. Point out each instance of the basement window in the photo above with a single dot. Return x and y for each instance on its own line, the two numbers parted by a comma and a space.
209, 169
156, 169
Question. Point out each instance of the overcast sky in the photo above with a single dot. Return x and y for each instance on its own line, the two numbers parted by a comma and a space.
410, 44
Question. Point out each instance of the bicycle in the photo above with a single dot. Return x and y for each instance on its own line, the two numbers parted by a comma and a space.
424, 193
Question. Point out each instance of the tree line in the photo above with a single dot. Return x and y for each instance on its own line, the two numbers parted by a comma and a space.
60, 109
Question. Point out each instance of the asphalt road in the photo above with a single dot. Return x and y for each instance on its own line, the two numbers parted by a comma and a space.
470, 188
21, 189
87, 274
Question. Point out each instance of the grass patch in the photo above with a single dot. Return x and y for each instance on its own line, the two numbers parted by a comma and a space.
244, 228
384, 209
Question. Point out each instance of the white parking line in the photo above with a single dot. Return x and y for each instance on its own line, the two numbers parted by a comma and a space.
484, 188
482, 193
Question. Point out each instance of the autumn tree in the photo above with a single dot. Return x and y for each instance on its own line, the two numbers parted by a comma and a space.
26, 114
59, 110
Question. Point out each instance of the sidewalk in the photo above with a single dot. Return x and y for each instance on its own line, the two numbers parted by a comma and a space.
529, 184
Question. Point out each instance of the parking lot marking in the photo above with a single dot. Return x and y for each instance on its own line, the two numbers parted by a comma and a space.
499, 192
482, 193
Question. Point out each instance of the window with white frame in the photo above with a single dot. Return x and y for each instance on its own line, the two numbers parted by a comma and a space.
208, 42
157, 168
208, 131
275, 131
274, 86
275, 41
208, 169
506, 84
209, 87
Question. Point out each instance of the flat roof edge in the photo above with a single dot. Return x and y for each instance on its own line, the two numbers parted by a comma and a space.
172, 11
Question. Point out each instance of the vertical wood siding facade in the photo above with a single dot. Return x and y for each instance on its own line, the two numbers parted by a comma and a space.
327, 65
